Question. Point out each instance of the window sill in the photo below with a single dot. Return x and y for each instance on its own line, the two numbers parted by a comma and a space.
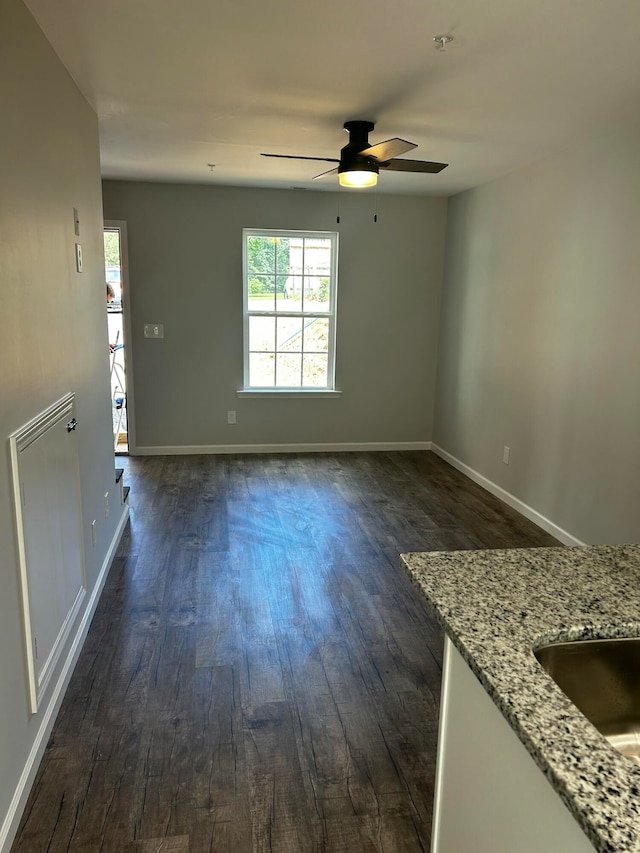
265, 392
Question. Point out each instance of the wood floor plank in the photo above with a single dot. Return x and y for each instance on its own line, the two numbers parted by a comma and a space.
227, 827
50, 816
260, 674
177, 844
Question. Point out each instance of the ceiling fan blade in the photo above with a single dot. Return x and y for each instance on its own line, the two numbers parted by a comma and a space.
295, 157
324, 174
413, 166
388, 149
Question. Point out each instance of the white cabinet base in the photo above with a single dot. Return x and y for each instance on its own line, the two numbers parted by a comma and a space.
490, 795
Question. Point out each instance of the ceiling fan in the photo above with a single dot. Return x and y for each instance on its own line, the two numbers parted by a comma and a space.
360, 162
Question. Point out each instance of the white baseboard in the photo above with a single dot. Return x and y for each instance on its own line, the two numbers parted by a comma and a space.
506, 497
204, 449
49, 710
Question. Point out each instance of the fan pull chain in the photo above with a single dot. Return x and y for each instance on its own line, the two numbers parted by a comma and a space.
338, 216
375, 204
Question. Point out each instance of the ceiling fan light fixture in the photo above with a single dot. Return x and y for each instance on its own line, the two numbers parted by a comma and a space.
359, 176
358, 179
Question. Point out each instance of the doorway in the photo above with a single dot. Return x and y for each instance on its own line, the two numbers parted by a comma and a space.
115, 271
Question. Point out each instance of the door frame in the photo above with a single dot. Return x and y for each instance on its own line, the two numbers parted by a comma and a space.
127, 329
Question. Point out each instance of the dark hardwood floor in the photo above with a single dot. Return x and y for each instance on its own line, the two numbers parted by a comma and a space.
260, 674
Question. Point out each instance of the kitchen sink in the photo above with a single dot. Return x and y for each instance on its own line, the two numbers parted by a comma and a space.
602, 678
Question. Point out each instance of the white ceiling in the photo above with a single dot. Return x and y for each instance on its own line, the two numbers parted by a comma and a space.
178, 84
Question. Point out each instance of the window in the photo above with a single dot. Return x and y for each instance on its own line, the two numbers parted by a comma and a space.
289, 310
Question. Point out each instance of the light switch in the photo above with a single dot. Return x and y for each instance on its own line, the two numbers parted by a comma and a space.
78, 257
154, 330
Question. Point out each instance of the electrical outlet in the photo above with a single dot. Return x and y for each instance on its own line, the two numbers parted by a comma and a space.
154, 330
231, 417
93, 533
506, 454
106, 504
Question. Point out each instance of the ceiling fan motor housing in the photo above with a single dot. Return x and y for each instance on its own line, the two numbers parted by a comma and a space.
358, 140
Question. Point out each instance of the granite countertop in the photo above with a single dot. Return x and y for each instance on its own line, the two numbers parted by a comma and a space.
496, 607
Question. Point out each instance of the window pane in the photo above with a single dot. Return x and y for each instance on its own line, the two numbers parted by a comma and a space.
316, 334
262, 291
289, 334
316, 293
261, 255
288, 370
296, 256
317, 257
281, 292
262, 334
292, 293
314, 371
282, 251
261, 370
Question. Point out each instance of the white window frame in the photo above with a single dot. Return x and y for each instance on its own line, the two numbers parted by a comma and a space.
282, 391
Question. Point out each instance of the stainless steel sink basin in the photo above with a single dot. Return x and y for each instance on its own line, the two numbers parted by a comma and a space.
602, 678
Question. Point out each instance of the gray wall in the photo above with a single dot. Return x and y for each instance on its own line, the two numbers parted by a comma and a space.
185, 256
53, 323
540, 348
